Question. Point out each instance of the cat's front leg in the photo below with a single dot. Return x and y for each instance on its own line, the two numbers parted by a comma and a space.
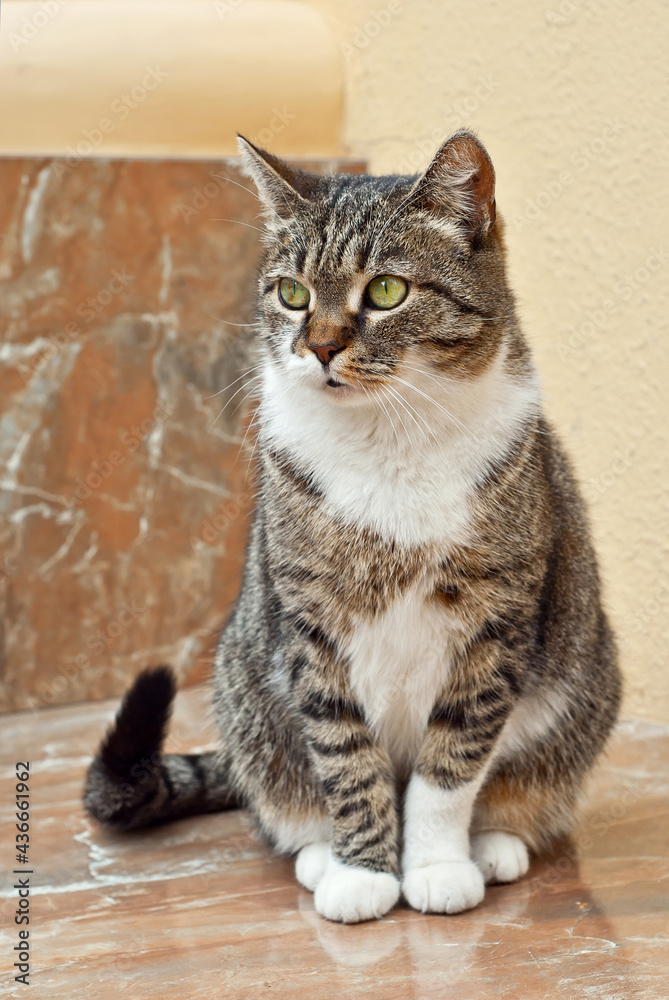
439, 875
356, 876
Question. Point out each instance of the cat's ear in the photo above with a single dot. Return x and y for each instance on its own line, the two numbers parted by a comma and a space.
283, 189
460, 181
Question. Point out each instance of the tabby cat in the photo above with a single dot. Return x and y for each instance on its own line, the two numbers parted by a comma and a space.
418, 673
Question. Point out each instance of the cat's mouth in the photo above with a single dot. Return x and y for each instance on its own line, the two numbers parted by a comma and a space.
332, 384
337, 389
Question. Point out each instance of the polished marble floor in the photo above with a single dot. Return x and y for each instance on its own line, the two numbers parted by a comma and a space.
202, 909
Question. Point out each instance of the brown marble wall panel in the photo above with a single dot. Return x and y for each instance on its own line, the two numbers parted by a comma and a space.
125, 491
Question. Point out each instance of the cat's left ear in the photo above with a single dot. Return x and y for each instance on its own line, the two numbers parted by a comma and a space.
283, 189
460, 182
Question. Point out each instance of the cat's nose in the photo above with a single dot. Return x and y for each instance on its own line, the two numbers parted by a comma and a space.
325, 352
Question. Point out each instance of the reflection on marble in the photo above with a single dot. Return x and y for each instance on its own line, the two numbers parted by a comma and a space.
203, 909
125, 287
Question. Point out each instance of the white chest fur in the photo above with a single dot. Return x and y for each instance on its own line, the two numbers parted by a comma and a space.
399, 664
406, 470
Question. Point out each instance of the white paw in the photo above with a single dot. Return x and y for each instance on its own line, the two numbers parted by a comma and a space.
502, 857
311, 863
350, 894
447, 887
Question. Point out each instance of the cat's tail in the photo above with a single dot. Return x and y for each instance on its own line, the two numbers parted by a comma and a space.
131, 783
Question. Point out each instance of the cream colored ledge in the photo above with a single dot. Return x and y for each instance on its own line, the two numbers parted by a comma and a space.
176, 78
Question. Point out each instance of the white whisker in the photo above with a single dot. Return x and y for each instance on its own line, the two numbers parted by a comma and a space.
395, 411
407, 364
396, 396
247, 371
247, 225
256, 378
428, 428
227, 321
237, 184
377, 396
252, 421
430, 399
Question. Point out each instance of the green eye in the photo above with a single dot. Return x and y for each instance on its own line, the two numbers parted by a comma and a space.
293, 294
387, 291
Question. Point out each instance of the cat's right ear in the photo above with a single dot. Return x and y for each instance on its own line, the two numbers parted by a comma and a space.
460, 182
283, 189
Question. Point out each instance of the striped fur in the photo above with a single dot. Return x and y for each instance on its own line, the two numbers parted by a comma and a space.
132, 784
418, 673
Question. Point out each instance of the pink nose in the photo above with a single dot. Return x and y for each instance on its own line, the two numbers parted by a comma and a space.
325, 352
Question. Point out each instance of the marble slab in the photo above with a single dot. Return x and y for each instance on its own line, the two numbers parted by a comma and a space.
202, 909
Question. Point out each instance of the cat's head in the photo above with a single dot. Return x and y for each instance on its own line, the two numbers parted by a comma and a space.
368, 281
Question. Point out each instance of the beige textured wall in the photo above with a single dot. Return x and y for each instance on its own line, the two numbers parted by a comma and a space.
571, 98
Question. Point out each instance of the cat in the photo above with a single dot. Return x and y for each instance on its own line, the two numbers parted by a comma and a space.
418, 673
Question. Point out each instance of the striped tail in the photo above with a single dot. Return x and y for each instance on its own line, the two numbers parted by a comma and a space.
132, 784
